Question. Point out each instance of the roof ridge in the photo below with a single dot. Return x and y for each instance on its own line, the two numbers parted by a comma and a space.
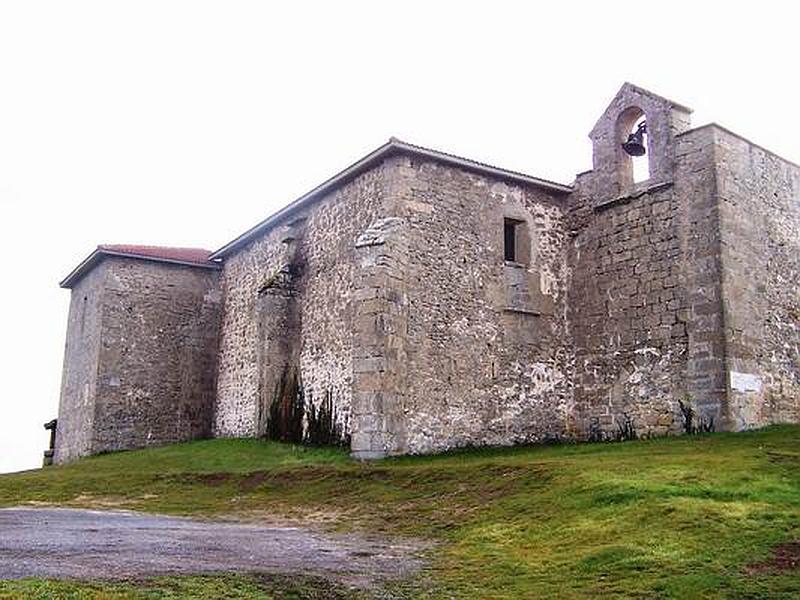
393, 145
549, 182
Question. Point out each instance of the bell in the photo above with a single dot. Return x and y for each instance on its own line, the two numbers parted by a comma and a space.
635, 143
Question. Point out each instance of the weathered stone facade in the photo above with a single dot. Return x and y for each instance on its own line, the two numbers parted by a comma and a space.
632, 263
75, 428
289, 303
476, 350
140, 359
436, 302
685, 284
760, 256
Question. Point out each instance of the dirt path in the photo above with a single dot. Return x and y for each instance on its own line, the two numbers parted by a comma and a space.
85, 544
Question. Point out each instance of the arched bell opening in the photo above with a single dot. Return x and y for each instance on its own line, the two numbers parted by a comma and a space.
634, 148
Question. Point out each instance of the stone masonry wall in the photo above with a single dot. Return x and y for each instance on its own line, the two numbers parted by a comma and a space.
380, 361
627, 314
701, 269
759, 200
140, 357
79, 375
157, 360
645, 302
320, 242
475, 349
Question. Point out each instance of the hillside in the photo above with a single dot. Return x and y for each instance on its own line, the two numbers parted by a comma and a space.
707, 516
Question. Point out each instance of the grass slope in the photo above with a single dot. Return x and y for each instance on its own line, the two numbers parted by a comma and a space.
690, 517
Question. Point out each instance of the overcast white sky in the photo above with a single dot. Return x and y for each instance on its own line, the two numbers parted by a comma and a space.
184, 123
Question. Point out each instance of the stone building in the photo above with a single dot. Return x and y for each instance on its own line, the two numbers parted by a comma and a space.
418, 301
141, 351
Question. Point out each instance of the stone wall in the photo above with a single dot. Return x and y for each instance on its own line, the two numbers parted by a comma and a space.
644, 299
314, 251
627, 314
380, 360
459, 347
759, 197
79, 374
157, 361
142, 372
701, 268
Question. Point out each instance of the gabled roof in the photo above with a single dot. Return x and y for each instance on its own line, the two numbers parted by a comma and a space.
189, 257
393, 146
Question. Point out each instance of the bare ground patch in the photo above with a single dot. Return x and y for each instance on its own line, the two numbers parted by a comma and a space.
785, 557
87, 544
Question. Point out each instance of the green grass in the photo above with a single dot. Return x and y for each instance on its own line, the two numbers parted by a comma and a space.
219, 587
671, 518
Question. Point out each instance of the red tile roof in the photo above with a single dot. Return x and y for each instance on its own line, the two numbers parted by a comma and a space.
187, 255
191, 257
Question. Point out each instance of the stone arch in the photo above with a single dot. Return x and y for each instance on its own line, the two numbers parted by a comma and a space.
612, 173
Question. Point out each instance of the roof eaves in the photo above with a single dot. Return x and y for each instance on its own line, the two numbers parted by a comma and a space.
83, 267
480, 167
161, 259
352, 171
392, 146
98, 254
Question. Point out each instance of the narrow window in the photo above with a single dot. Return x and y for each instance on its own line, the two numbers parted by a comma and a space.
510, 237
83, 314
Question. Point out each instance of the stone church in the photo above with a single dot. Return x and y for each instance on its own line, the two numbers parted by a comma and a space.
419, 301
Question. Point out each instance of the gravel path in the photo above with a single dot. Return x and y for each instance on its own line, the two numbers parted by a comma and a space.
86, 544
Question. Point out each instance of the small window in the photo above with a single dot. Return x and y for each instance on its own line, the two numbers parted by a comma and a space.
510, 237
516, 242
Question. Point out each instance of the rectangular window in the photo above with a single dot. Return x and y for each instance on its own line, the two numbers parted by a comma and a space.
510, 239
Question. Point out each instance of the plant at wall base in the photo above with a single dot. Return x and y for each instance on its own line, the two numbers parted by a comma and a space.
595, 431
285, 419
704, 425
294, 418
323, 426
625, 428
554, 439
687, 414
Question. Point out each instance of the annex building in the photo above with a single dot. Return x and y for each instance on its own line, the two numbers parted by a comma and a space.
419, 301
